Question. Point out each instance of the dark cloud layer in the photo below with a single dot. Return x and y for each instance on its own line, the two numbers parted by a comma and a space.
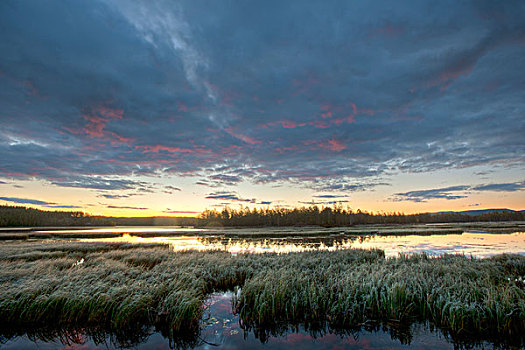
227, 196
38, 202
234, 197
325, 202
457, 192
125, 207
318, 94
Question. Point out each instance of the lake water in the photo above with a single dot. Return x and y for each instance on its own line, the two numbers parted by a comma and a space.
237, 241
220, 328
476, 239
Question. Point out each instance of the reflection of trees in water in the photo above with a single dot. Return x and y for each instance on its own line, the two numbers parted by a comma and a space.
317, 330
191, 338
70, 336
303, 241
107, 337
402, 332
130, 338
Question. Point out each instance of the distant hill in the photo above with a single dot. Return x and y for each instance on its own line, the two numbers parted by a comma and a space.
479, 211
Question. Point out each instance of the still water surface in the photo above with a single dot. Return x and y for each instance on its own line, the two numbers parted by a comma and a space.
220, 329
478, 244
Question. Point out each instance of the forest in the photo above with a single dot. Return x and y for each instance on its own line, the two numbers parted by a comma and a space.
11, 216
17, 216
338, 216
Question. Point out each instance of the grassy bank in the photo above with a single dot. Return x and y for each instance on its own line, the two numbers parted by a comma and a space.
120, 286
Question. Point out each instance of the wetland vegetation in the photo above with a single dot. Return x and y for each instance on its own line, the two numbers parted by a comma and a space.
125, 289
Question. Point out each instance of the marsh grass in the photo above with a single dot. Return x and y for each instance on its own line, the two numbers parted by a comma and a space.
124, 287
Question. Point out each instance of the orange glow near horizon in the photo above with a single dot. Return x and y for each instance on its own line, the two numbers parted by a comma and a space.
191, 202
409, 210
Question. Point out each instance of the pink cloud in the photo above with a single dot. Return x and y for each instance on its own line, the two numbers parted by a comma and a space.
231, 150
169, 149
349, 119
114, 113
97, 121
116, 138
152, 162
286, 149
320, 124
244, 138
307, 145
333, 144
290, 124
330, 115
287, 124
326, 115
447, 77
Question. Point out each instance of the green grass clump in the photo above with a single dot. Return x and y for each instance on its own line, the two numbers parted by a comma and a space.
120, 286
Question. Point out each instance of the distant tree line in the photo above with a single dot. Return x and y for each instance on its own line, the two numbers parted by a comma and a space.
12, 216
153, 221
18, 216
336, 216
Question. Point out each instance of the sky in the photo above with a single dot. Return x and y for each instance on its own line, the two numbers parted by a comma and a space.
172, 107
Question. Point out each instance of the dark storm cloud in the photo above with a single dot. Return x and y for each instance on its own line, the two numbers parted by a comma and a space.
308, 93
457, 192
